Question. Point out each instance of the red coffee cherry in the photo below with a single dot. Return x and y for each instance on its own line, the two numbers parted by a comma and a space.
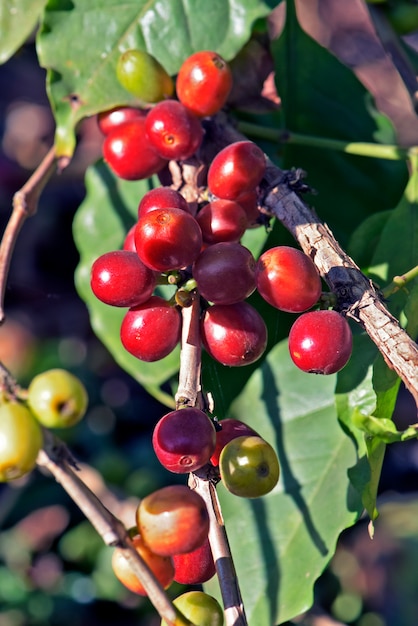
129, 154
110, 119
204, 82
225, 273
222, 220
119, 278
151, 330
234, 334
236, 169
288, 279
194, 568
129, 241
184, 440
320, 342
167, 239
162, 198
173, 131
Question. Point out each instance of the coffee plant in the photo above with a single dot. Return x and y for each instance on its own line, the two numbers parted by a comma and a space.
248, 255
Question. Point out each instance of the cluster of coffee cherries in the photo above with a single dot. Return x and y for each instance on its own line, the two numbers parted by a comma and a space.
54, 399
171, 536
200, 248
139, 142
172, 523
202, 253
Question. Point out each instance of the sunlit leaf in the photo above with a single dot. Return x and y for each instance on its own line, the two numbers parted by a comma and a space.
18, 19
282, 542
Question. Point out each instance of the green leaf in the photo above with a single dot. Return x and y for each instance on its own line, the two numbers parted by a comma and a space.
397, 249
349, 187
100, 225
283, 541
80, 42
382, 428
366, 394
18, 19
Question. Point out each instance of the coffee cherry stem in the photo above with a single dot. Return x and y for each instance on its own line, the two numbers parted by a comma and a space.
25, 203
56, 458
189, 392
218, 539
399, 282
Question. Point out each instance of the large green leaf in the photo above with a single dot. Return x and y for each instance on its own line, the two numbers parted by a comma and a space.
397, 249
80, 42
18, 18
321, 97
100, 225
283, 541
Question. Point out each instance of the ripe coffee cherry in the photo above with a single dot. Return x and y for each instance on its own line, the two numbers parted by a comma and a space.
57, 398
198, 607
320, 342
204, 82
129, 241
161, 566
194, 568
167, 239
249, 202
173, 131
150, 331
162, 198
20, 441
222, 220
119, 278
173, 520
234, 334
108, 120
184, 440
129, 154
236, 169
288, 279
225, 273
249, 467
143, 76
229, 429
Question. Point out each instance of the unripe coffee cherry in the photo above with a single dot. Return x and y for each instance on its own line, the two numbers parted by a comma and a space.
20, 441
249, 467
57, 398
143, 76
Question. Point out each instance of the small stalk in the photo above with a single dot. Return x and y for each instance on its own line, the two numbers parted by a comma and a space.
360, 148
400, 282
25, 203
189, 391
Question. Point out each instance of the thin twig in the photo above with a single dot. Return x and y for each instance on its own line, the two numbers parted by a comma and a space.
25, 203
189, 392
56, 458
